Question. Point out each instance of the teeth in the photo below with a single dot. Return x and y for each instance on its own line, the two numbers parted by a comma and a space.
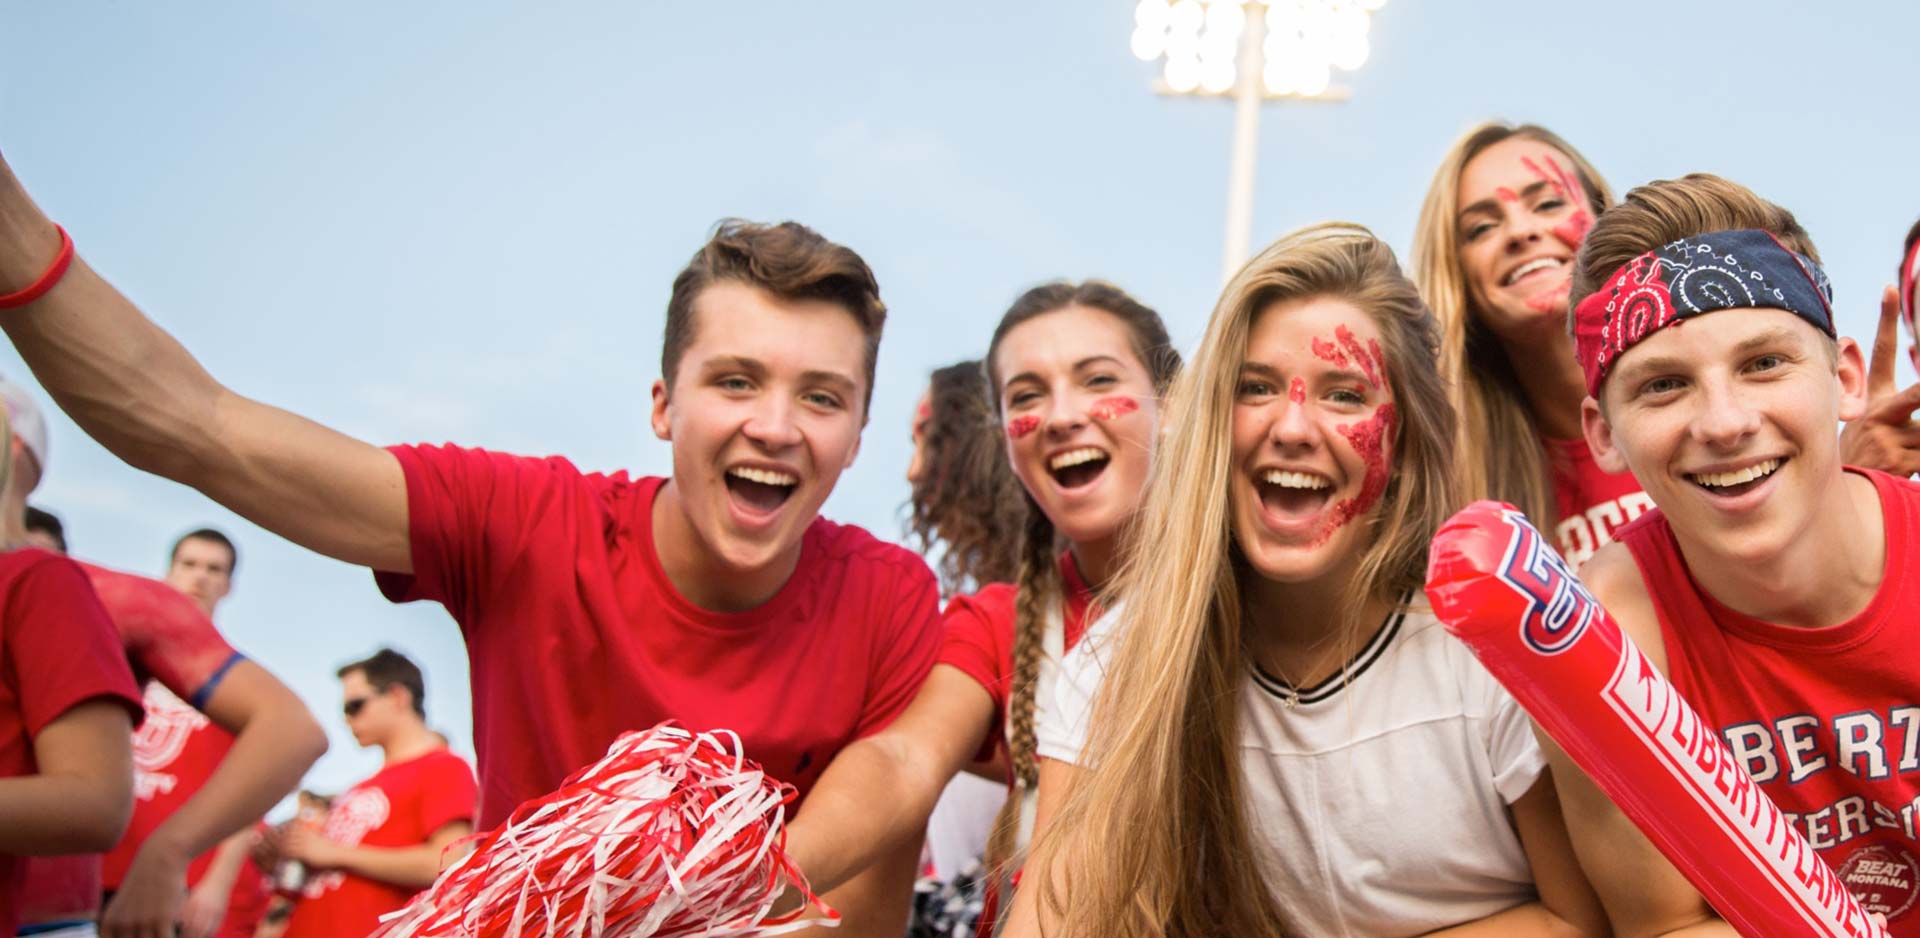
1075, 457
1295, 480
763, 476
1531, 266
1737, 476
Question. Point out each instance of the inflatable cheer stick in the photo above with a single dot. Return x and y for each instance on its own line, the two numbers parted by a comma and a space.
1502, 589
671, 834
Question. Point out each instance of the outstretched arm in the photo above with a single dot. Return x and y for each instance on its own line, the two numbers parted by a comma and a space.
275, 741
135, 389
877, 793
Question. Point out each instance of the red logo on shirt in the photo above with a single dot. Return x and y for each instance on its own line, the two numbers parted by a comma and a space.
1884, 878
161, 738
357, 813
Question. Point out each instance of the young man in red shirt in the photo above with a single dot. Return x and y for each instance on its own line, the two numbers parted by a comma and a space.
176, 751
591, 604
168, 640
1772, 584
384, 838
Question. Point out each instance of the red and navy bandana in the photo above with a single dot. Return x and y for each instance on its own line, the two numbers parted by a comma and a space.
1739, 269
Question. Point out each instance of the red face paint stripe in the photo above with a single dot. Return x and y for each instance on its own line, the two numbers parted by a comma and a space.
1507, 195
1297, 391
1327, 351
1574, 230
1370, 439
1113, 408
1022, 426
1358, 355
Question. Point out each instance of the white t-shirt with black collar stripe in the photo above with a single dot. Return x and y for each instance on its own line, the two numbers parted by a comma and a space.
1377, 802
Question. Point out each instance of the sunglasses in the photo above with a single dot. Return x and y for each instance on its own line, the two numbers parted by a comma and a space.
353, 707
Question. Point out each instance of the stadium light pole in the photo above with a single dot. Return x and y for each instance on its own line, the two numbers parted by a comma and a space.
1252, 52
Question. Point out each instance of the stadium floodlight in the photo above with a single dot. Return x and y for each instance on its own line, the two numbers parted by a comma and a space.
1251, 52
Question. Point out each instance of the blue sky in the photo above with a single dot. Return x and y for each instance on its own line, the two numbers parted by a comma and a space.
458, 221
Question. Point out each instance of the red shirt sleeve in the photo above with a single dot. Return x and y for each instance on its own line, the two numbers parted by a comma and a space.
909, 622
978, 639
166, 636
448, 793
469, 515
61, 648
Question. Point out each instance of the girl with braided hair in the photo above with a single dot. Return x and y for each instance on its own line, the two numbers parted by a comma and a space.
1075, 373
1270, 734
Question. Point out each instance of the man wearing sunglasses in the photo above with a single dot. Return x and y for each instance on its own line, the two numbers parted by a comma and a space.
383, 839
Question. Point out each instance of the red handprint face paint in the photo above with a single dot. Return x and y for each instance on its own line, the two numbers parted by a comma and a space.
1318, 461
1372, 440
1564, 182
1524, 213
1022, 426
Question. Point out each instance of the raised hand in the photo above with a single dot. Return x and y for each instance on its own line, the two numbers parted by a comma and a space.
1885, 437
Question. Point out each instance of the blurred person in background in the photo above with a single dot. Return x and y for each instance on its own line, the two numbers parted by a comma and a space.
384, 839
167, 639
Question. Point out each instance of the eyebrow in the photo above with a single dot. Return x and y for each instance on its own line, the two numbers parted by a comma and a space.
1263, 370
1775, 336
1082, 363
1489, 205
758, 369
832, 379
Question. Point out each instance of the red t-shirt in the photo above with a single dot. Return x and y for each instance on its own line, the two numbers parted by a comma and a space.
57, 651
401, 806
978, 639
1593, 503
575, 635
165, 638
174, 753
1827, 721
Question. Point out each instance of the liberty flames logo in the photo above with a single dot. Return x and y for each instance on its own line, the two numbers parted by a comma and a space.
1559, 608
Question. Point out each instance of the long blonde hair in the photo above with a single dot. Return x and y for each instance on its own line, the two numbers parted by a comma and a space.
1154, 841
1499, 440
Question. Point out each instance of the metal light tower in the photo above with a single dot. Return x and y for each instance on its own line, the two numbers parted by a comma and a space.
1251, 51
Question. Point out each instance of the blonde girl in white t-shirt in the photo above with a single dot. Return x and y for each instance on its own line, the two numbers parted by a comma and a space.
1282, 740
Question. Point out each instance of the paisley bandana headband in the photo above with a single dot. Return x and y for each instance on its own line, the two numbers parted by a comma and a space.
1692, 276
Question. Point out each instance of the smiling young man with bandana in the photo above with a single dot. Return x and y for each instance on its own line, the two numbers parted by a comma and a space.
1772, 584
591, 604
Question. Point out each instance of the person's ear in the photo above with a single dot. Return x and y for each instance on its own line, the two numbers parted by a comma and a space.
1599, 433
662, 423
1850, 368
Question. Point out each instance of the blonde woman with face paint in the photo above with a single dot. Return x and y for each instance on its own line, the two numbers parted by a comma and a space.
1493, 253
1272, 735
1075, 374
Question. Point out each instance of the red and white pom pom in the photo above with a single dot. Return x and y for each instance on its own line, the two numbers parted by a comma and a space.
672, 834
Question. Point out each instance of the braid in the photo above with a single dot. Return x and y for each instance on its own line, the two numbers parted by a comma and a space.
1039, 587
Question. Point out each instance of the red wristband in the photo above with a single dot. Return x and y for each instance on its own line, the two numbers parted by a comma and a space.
48, 280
